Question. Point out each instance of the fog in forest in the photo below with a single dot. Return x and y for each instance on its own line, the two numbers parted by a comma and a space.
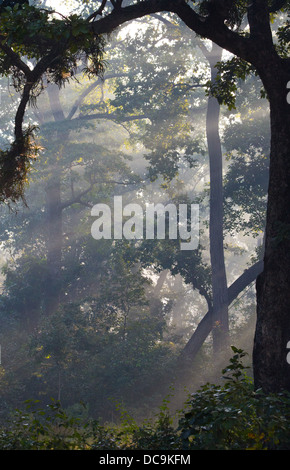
113, 322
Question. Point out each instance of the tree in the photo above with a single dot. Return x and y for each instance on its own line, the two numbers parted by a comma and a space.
219, 279
136, 97
81, 264
218, 21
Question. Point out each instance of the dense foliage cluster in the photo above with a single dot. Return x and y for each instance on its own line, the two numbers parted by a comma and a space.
37, 48
228, 416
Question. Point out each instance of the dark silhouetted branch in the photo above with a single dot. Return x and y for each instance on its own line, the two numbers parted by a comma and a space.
206, 324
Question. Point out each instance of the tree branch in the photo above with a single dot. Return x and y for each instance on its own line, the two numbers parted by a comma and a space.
16, 60
98, 12
77, 103
89, 89
208, 26
258, 17
78, 198
117, 4
206, 324
164, 20
113, 117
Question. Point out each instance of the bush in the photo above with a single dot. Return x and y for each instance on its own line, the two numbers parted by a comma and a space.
54, 429
232, 416
235, 415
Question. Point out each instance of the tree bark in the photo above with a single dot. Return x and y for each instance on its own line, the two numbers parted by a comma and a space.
271, 370
219, 313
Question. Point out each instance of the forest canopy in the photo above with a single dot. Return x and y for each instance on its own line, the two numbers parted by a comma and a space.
168, 105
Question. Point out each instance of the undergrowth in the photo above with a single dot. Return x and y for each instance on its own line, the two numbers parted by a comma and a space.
229, 416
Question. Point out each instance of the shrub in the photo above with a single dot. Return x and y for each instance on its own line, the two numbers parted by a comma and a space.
232, 416
235, 415
54, 429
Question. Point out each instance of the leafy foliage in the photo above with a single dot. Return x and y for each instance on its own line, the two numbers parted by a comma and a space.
40, 35
159, 91
232, 416
57, 46
235, 416
246, 180
15, 164
229, 73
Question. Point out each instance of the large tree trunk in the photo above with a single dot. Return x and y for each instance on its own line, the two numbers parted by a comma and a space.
219, 279
271, 370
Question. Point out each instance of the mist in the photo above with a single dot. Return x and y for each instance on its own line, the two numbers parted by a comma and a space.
113, 321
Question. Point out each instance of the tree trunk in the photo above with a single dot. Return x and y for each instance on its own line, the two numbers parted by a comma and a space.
219, 278
271, 370
54, 244
54, 214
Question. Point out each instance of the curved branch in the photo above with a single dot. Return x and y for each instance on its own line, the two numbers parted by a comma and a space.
14, 162
206, 324
89, 89
206, 26
164, 20
19, 117
98, 12
77, 103
78, 198
15, 59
